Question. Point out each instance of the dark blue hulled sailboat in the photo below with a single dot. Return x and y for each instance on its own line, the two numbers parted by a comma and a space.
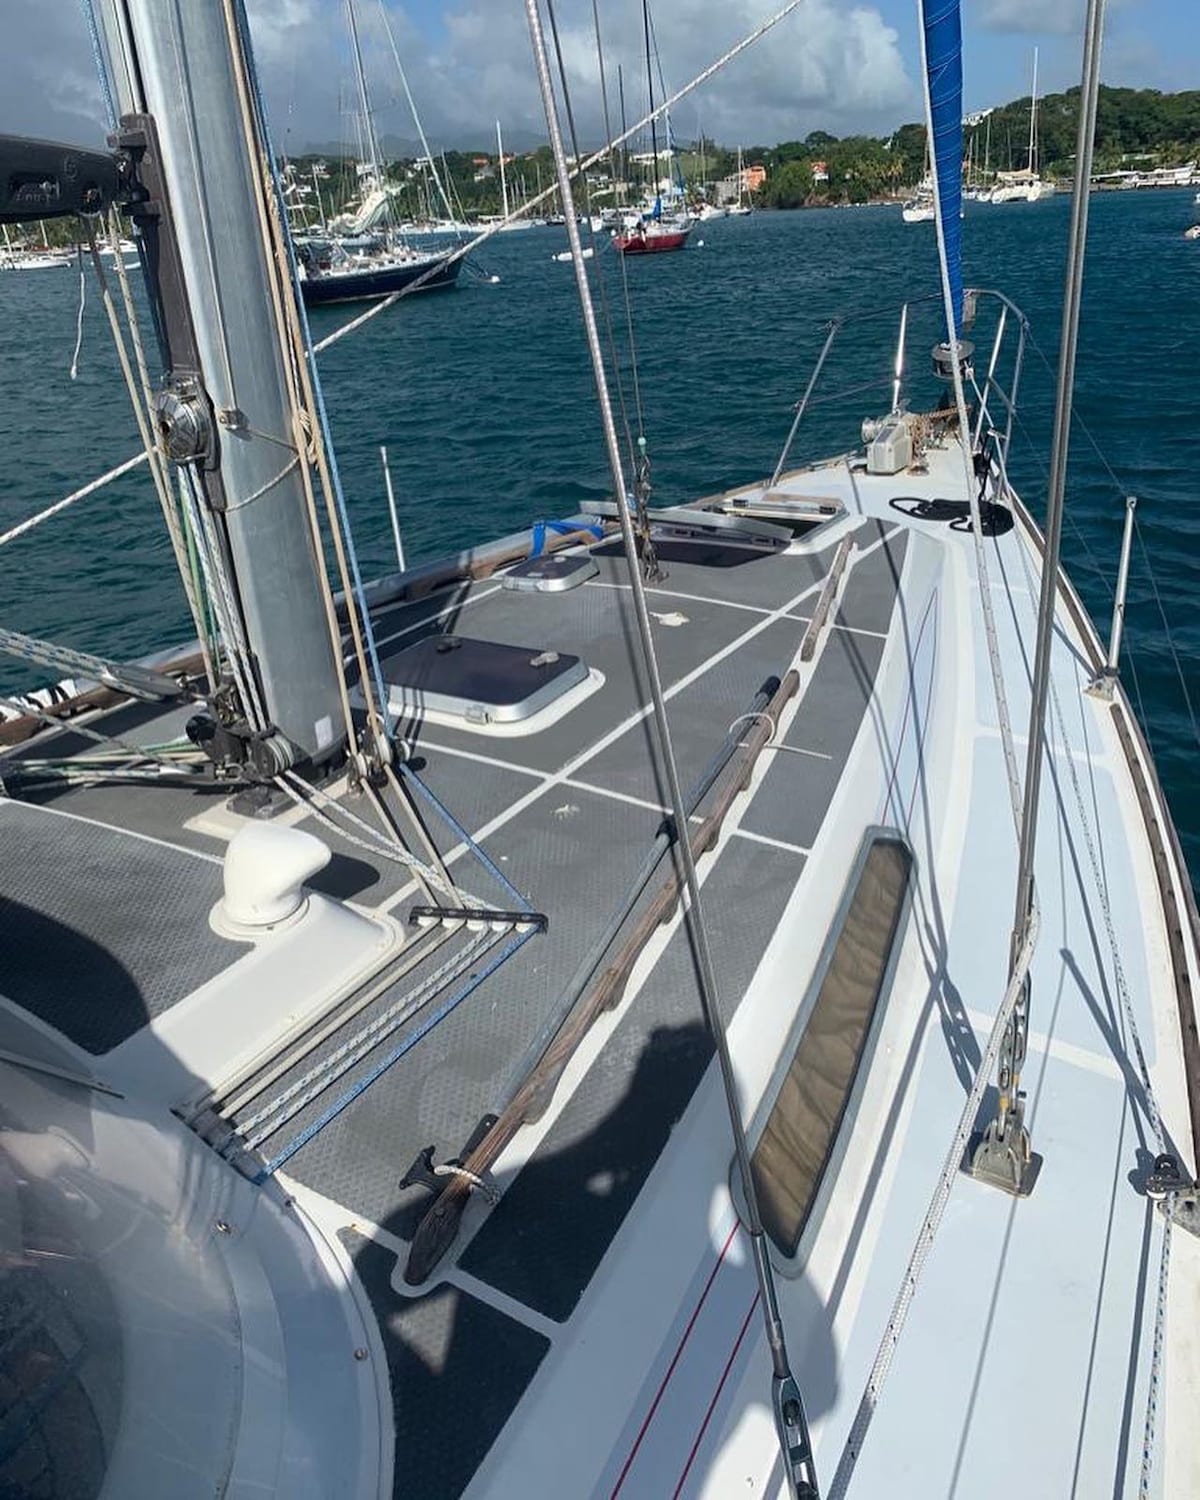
331, 273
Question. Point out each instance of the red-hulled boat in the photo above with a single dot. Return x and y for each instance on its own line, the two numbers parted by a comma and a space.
651, 237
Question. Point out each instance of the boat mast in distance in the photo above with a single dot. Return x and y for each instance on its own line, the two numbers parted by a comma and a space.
503, 173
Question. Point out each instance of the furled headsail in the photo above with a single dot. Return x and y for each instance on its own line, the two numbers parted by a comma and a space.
941, 35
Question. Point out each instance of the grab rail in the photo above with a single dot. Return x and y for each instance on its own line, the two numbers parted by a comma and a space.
1005, 393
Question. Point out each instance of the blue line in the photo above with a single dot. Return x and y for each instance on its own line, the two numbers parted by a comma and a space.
93, 29
395, 1055
456, 827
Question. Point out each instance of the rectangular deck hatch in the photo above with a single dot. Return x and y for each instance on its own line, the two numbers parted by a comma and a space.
550, 574
479, 681
794, 1150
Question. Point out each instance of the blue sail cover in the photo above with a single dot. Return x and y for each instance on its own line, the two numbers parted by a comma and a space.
943, 67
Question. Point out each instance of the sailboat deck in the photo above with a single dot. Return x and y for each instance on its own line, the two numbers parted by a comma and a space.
537, 1361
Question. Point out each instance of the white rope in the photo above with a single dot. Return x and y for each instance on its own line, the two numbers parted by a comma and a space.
220, 593
472, 245
315, 801
177, 757
57, 657
73, 498
266, 487
270, 1117
79, 318
882, 1364
473, 1179
1150, 1427
1167, 632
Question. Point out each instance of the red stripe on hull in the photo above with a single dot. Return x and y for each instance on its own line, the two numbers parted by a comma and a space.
637, 244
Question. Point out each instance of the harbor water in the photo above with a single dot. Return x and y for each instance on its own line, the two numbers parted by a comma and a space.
483, 398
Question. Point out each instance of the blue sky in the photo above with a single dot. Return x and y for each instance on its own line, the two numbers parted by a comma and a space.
837, 65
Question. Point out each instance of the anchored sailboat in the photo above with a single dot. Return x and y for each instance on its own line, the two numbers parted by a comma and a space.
1026, 185
373, 260
538, 1023
508, 221
655, 227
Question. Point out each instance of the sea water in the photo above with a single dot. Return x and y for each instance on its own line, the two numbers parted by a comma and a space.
483, 397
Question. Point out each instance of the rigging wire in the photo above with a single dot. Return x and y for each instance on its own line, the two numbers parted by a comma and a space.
598, 276
1129, 655
951, 1166
1150, 1102
787, 1403
627, 299
429, 157
73, 498
1123, 490
580, 168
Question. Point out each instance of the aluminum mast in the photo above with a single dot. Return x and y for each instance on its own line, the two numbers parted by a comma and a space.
175, 63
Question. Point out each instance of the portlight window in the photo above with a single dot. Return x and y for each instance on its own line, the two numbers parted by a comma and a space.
794, 1149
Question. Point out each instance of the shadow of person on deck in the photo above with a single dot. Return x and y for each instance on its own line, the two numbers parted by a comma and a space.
542, 1246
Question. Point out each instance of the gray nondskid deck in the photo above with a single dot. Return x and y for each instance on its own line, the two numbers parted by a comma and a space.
568, 814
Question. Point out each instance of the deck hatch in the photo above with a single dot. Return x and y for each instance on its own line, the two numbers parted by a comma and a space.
550, 574
479, 681
794, 1149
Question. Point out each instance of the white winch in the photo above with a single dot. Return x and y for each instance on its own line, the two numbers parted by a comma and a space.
889, 442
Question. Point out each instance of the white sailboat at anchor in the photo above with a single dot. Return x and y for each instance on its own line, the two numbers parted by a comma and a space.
1026, 185
694, 1001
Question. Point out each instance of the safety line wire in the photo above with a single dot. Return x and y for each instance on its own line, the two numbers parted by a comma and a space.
951, 1166
1150, 1101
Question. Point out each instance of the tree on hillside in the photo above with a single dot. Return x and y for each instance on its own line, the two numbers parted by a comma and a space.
790, 186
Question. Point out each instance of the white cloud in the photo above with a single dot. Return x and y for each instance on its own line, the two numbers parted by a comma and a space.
1032, 17
1037, 17
821, 67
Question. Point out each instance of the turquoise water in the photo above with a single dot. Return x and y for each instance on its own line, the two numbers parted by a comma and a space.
484, 400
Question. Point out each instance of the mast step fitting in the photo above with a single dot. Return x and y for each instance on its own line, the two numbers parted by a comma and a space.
1005, 1159
479, 917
